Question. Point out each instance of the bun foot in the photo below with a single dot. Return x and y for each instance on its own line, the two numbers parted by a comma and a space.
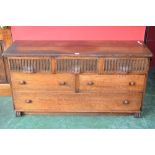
137, 115
18, 114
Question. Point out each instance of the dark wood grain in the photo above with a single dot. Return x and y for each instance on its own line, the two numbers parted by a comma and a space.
79, 48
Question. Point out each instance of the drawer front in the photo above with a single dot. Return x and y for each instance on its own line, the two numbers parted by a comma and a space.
125, 65
111, 83
76, 65
30, 64
77, 102
43, 82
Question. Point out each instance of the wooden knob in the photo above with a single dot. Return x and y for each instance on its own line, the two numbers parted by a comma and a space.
125, 102
22, 82
28, 101
132, 83
62, 83
90, 83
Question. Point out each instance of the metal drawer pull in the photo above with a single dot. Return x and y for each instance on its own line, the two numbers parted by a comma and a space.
90, 83
22, 82
62, 83
28, 101
126, 102
132, 83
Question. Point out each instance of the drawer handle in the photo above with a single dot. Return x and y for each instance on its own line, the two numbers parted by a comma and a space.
126, 102
62, 83
28, 101
22, 82
132, 83
90, 83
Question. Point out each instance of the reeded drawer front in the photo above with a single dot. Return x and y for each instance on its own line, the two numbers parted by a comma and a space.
30, 64
125, 65
76, 65
28, 101
111, 83
86, 65
43, 82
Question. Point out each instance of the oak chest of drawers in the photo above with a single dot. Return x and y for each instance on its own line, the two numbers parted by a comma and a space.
78, 76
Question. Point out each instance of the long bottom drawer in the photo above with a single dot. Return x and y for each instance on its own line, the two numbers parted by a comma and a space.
49, 102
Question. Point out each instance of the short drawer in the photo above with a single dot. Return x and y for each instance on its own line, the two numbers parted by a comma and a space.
111, 83
30, 64
42, 82
77, 102
76, 64
125, 65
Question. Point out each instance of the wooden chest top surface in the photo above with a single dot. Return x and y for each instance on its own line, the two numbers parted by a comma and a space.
79, 48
